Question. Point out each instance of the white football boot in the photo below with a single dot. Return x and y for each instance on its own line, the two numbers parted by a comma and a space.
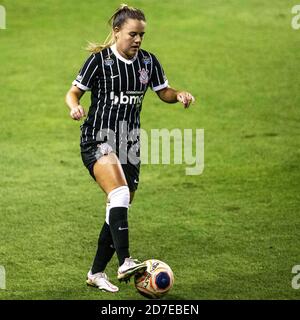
129, 268
101, 281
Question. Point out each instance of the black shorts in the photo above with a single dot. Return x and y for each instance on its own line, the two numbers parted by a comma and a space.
90, 155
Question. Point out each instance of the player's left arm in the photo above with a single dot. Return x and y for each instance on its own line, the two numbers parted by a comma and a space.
171, 95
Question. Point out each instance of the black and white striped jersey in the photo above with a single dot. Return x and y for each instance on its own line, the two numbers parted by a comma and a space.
117, 88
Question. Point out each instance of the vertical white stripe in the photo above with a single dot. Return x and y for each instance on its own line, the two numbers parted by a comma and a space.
133, 70
87, 84
161, 68
105, 93
96, 112
137, 119
158, 80
134, 89
85, 134
162, 72
127, 85
141, 87
143, 56
112, 89
145, 85
150, 76
117, 116
151, 72
87, 68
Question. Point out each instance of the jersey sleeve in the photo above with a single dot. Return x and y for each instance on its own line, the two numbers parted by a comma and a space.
158, 79
87, 74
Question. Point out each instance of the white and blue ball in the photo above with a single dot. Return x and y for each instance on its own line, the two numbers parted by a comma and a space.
156, 281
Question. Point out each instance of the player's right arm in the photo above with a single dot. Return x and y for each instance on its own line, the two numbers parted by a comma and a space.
83, 82
73, 102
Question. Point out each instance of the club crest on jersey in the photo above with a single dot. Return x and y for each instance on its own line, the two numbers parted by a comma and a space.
147, 60
144, 78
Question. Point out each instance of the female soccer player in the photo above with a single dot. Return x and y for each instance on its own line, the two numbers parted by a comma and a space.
118, 74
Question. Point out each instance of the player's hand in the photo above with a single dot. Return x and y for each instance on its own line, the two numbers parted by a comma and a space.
185, 98
77, 113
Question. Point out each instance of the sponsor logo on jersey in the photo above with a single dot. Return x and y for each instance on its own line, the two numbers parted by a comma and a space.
108, 61
126, 99
144, 78
146, 60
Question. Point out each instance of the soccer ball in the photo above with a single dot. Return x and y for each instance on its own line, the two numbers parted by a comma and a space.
156, 280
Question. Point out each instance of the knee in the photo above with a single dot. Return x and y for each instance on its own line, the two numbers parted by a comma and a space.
119, 197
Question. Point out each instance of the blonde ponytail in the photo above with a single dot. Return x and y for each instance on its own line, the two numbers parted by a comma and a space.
97, 47
120, 16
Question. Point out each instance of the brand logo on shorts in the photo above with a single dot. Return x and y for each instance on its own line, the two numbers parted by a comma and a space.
103, 149
144, 78
121, 229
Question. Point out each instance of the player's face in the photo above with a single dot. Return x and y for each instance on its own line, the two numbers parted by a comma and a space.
129, 37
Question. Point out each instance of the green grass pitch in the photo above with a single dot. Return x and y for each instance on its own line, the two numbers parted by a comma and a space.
229, 233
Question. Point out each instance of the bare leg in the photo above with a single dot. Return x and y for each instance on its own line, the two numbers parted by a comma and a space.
109, 173
110, 177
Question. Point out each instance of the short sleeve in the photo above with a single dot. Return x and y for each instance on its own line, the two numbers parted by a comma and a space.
87, 74
158, 79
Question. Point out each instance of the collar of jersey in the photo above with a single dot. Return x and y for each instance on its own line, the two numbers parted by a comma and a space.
117, 54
